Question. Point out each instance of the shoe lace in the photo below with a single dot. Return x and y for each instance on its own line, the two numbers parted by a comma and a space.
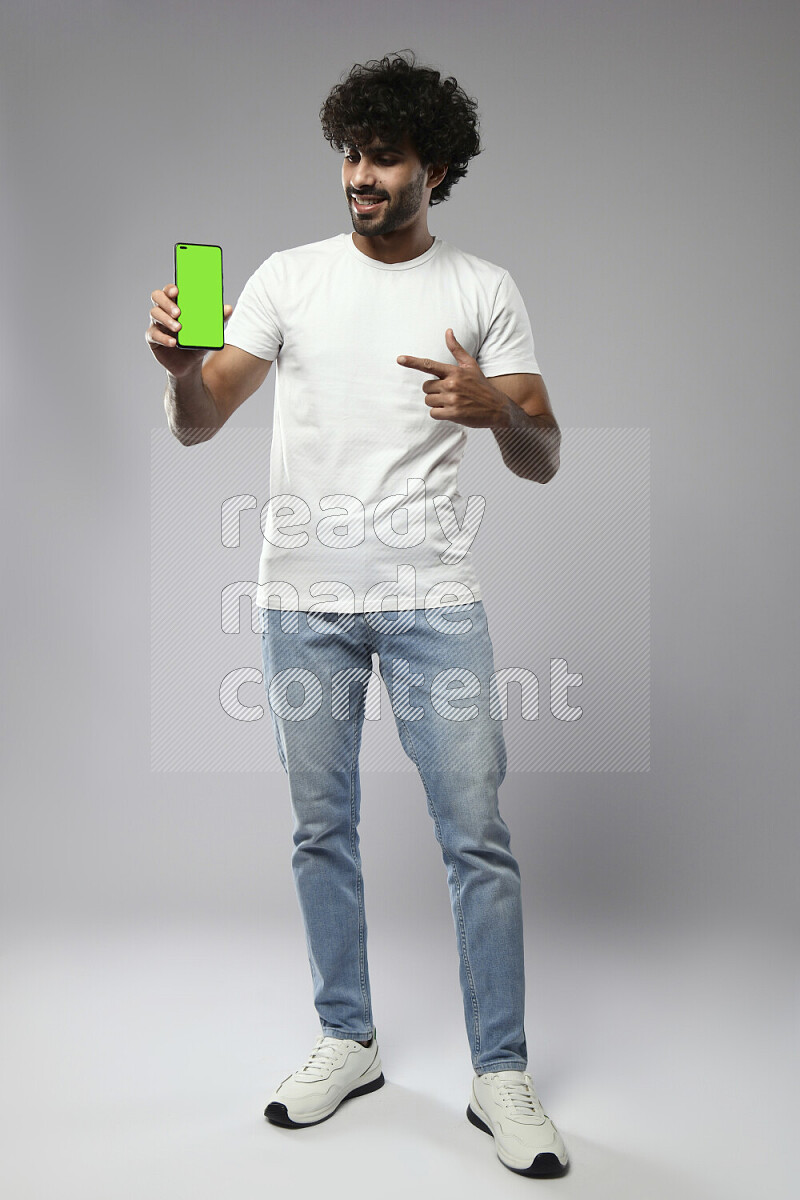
519, 1097
325, 1053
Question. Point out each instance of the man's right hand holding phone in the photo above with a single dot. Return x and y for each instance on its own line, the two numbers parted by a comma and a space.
164, 324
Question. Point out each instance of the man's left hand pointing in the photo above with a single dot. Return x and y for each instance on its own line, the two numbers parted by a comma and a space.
461, 392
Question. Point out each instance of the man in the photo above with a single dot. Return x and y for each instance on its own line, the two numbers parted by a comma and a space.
390, 343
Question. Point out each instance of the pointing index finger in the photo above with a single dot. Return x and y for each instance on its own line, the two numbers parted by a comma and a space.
425, 364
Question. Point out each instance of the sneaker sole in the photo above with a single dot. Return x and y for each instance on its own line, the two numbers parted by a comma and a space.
277, 1114
544, 1166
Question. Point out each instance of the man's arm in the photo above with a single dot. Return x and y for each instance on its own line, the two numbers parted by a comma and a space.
199, 403
528, 434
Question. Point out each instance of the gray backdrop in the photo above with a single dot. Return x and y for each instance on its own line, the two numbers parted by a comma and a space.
640, 181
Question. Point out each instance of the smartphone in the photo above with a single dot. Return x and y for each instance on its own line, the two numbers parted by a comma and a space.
198, 276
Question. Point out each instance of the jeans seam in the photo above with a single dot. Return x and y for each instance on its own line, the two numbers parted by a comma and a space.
340, 1036
461, 926
502, 1065
356, 862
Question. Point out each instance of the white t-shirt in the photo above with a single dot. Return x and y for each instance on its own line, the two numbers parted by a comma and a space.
353, 438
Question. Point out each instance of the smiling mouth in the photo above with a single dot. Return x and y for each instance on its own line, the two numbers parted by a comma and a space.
365, 205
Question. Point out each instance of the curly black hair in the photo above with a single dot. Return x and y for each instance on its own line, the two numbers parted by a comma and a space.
392, 97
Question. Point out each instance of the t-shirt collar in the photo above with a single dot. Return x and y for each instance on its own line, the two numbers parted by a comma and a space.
398, 266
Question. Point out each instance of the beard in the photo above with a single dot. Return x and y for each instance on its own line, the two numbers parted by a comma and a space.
396, 211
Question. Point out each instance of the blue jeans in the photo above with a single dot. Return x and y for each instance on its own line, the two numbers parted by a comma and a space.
459, 750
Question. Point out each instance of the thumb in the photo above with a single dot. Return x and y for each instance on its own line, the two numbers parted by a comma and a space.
227, 309
456, 349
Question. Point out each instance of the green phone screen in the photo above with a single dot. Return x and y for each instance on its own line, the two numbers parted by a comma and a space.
198, 275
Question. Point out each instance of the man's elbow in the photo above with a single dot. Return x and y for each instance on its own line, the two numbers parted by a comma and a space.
190, 436
552, 469
553, 459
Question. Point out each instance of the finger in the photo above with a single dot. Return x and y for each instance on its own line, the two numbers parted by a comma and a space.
462, 356
163, 320
171, 292
157, 337
426, 364
164, 300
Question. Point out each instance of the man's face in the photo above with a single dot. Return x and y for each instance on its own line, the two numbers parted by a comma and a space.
394, 174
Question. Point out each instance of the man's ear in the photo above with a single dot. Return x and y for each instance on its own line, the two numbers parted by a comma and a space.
434, 171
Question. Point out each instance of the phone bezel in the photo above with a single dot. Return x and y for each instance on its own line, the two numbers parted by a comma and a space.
209, 245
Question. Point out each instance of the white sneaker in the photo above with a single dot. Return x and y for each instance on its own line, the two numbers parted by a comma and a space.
505, 1105
336, 1069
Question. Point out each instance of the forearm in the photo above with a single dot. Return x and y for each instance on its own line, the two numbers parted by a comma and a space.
530, 446
192, 415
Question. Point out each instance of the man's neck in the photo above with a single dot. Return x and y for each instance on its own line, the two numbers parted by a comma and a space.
390, 250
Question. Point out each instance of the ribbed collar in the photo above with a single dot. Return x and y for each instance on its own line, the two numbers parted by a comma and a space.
398, 266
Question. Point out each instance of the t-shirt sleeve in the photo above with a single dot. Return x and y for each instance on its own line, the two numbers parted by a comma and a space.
255, 325
508, 346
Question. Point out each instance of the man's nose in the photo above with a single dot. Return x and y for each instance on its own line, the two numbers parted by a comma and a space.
363, 175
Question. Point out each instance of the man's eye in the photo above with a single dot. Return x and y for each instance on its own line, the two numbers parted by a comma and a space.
385, 162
